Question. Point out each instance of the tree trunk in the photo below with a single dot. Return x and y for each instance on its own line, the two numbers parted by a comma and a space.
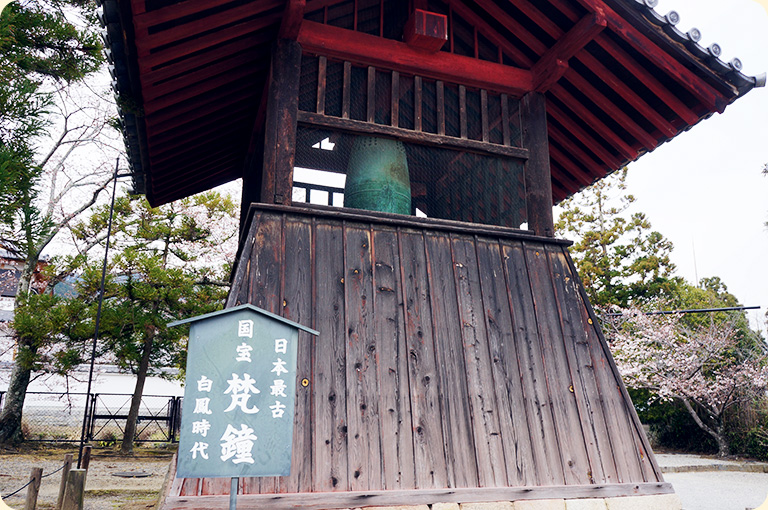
723, 450
13, 403
126, 447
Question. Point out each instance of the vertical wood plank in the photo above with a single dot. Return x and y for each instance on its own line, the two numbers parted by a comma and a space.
582, 371
33, 489
546, 450
297, 306
395, 117
211, 486
489, 451
364, 440
417, 103
456, 420
329, 414
239, 292
484, 114
538, 176
345, 92
440, 100
394, 387
505, 131
266, 262
510, 397
429, 446
189, 486
463, 111
371, 98
322, 65
632, 463
280, 123
560, 385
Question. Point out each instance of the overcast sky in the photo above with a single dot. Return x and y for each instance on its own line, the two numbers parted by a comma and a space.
704, 190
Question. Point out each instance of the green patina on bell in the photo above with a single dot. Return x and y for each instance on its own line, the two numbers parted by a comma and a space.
377, 176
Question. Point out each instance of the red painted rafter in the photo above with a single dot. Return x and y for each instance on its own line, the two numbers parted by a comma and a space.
566, 162
371, 50
643, 74
576, 152
554, 63
147, 42
220, 81
292, 18
655, 86
588, 116
710, 97
605, 104
157, 58
473, 18
586, 139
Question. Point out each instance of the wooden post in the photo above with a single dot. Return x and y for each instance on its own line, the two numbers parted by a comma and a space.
33, 488
86, 457
63, 484
538, 177
74, 495
280, 123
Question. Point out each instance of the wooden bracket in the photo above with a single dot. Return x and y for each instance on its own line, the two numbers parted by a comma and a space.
292, 18
554, 63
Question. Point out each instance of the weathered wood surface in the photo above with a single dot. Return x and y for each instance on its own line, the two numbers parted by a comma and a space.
333, 500
447, 359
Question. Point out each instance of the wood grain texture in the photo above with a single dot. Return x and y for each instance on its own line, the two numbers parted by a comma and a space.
448, 361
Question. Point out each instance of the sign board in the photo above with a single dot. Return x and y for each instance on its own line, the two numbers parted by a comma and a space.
239, 396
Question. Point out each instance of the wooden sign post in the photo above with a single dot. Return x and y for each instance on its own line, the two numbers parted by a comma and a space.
239, 396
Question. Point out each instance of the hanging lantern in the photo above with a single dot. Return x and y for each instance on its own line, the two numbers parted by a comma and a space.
377, 176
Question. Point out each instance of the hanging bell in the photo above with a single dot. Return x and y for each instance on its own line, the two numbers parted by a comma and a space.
377, 176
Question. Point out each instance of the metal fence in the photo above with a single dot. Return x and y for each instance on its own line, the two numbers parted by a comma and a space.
58, 417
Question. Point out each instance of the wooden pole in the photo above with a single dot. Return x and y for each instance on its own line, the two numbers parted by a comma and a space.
74, 495
33, 488
280, 123
538, 176
86, 458
63, 484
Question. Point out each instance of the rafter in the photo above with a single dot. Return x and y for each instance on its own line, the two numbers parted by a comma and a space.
554, 63
366, 49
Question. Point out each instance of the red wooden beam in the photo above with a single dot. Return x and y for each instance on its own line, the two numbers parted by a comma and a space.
610, 108
292, 18
566, 163
371, 50
594, 146
588, 116
710, 97
596, 168
553, 64
513, 25
655, 86
502, 42
204, 42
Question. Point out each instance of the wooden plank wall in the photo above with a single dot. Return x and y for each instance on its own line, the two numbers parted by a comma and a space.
447, 358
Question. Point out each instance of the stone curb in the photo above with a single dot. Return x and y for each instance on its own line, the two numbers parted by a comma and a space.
744, 468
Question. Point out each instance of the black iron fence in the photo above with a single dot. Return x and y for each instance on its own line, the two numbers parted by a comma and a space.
58, 417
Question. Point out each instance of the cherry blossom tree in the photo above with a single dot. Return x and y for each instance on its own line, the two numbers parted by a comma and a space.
705, 366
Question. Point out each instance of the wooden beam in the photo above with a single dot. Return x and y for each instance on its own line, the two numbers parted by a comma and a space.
586, 139
538, 176
332, 500
292, 18
409, 135
371, 50
710, 97
553, 64
280, 123
655, 86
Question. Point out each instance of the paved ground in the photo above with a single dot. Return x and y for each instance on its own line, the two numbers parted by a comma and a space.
709, 483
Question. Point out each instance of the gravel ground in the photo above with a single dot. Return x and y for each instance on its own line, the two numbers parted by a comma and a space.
103, 491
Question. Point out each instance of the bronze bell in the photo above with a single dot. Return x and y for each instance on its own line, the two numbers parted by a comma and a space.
377, 176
